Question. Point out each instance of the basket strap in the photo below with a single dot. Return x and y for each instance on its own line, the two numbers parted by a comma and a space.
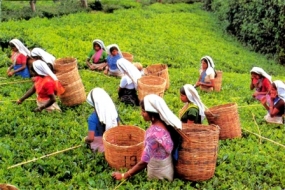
214, 115
92, 98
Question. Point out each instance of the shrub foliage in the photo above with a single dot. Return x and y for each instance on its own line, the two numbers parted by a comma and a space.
259, 24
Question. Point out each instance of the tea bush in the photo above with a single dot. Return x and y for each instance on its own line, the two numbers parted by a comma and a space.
175, 34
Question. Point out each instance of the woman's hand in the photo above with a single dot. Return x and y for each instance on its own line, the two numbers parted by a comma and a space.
106, 71
117, 175
87, 140
255, 94
38, 109
11, 73
197, 84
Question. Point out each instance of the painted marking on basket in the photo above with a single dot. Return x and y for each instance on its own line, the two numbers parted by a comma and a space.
132, 160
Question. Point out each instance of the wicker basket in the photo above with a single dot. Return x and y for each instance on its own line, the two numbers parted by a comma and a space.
74, 94
68, 77
4, 186
64, 65
128, 56
227, 118
218, 81
151, 85
160, 70
123, 146
198, 153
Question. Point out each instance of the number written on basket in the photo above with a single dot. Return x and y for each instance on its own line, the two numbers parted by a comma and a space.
130, 161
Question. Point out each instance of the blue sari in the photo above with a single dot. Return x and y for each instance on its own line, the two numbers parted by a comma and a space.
23, 73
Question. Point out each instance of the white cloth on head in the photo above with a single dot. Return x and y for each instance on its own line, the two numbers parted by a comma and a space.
280, 89
124, 83
130, 70
193, 96
104, 106
46, 57
154, 103
42, 68
211, 65
260, 71
100, 43
20, 46
113, 45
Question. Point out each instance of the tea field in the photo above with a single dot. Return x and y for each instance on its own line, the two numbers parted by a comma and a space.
174, 34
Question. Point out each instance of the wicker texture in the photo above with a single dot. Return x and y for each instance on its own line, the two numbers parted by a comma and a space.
74, 94
63, 65
218, 81
128, 56
198, 153
123, 146
227, 118
66, 78
151, 85
160, 70
68, 75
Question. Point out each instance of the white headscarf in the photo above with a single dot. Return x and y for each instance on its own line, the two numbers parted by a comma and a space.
130, 70
20, 46
104, 107
211, 65
260, 71
46, 57
42, 69
280, 89
100, 43
154, 103
114, 45
194, 97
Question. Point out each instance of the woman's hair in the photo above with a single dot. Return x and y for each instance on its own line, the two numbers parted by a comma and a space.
257, 74
182, 91
113, 48
96, 44
151, 114
11, 45
274, 85
205, 60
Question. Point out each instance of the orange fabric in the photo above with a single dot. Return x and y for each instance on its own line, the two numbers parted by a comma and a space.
46, 86
59, 88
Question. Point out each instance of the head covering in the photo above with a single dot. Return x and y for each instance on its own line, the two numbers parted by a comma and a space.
260, 71
130, 70
45, 56
193, 96
280, 89
100, 43
211, 65
42, 69
104, 106
154, 103
20, 46
114, 45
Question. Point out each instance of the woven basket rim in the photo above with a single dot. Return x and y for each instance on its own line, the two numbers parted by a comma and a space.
115, 128
66, 58
157, 64
221, 107
143, 79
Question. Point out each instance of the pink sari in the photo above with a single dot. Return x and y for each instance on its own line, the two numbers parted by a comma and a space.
96, 56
